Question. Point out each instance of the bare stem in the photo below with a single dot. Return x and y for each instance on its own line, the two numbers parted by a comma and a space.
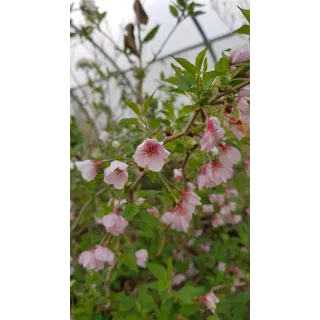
135, 185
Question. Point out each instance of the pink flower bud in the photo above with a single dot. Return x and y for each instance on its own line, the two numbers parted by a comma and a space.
178, 279
210, 300
212, 134
178, 175
88, 168
239, 56
153, 211
142, 257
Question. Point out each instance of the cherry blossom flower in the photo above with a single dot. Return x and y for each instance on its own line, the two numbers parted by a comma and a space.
219, 174
117, 203
190, 186
88, 168
154, 211
244, 92
178, 174
244, 110
116, 174
230, 218
89, 261
151, 154
210, 300
181, 218
198, 233
217, 220
239, 56
222, 266
247, 166
190, 200
205, 248
217, 198
229, 155
207, 208
231, 192
102, 253
142, 257
204, 179
192, 271
177, 279
115, 144
212, 134
167, 218
114, 223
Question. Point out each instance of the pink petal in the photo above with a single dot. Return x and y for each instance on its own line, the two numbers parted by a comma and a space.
156, 163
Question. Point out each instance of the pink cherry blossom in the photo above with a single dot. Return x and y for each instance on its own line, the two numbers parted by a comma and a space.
217, 198
239, 56
228, 208
231, 192
204, 179
230, 218
229, 155
167, 218
222, 266
247, 166
244, 110
245, 92
88, 168
212, 134
219, 174
151, 154
192, 271
190, 186
210, 300
217, 220
102, 253
114, 223
116, 174
89, 261
205, 248
142, 257
181, 218
190, 200
154, 211
178, 174
177, 279
207, 208
236, 131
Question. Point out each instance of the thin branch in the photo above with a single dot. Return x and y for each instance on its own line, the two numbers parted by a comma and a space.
107, 57
135, 185
214, 99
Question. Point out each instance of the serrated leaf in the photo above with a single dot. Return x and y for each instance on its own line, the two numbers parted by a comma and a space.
129, 122
133, 106
200, 58
186, 64
245, 29
246, 13
130, 211
151, 34
174, 11
157, 270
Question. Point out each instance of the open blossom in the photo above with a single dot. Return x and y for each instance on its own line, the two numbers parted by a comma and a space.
116, 174
102, 253
88, 168
229, 155
190, 186
207, 208
239, 56
244, 92
247, 166
115, 144
219, 174
244, 110
231, 192
190, 200
142, 257
177, 279
154, 211
203, 179
217, 198
228, 208
217, 220
212, 134
222, 266
151, 153
210, 300
114, 223
117, 203
167, 218
179, 218
178, 174
95, 258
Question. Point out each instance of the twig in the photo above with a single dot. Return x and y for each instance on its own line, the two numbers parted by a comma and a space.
221, 94
135, 185
184, 164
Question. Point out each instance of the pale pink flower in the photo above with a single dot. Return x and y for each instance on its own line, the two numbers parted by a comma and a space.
247, 166
217, 221
190, 186
217, 198
212, 134
88, 168
116, 174
229, 155
192, 271
231, 192
102, 253
181, 218
205, 248
142, 257
239, 56
236, 131
207, 208
167, 218
190, 200
232, 206
178, 174
154, 211
210, 300
89, 261
151, 153
114, 223
204, 179
244, 110
233, 219
177, 279
136, 171
219, 174
222, 266
244, 92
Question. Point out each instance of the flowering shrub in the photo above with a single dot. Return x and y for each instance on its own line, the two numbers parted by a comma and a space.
160, 209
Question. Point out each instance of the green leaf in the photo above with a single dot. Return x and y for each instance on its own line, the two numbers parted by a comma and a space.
245, 29
209, 76
213, 317
163, 284
129, 122
169, 107
157, 270
152, 176
186, 110
172, 80
166, 122
149, 218
186, 64
147, 301
205, 65
246, 13
200, 57
197, 13
129, 259
222, 65
146, 104
133, 106
154, 123
169, 269
189, 309
182, 3
174, 11
187, 293
146, 193
130, 211
151, 34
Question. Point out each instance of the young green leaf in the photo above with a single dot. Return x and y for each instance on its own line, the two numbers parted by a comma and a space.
245, 29
157, 270
133, 106
186, 64
130, 211
129, 122
163, 284
174, 11
186, 110
151, 34
169, 108
146, 104
205, 65
129, 260
200, 57
246, 13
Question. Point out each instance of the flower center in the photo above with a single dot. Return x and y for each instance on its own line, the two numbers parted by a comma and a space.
151, 149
